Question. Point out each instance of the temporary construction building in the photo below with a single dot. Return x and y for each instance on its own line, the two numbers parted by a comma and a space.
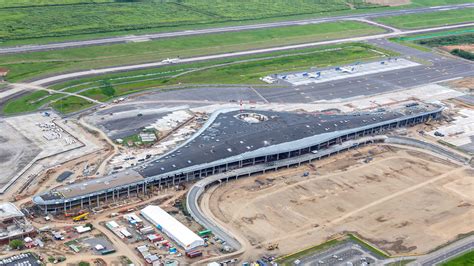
181, 234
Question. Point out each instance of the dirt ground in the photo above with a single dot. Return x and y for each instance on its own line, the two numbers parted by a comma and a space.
465, 83
403, 201
465, 47
389, 2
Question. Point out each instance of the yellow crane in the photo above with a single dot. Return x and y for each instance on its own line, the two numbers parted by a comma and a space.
80, 217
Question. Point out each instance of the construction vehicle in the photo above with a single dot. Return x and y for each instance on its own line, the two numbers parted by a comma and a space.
194, 253
80, 217
272, 246
205, 232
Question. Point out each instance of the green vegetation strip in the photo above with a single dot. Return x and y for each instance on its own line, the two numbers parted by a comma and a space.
464, 260
29, 65
436, 34
423, 42
241, 70
289, 259
440, 18
448, 40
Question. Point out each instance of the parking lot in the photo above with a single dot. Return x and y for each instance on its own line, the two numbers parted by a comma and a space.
347, 253
99, 245
26, 259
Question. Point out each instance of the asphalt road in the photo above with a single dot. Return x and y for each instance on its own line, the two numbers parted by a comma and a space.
92, 72
444, 254
131, 38
449, 254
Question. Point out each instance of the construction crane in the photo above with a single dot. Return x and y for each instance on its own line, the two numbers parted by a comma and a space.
80, 217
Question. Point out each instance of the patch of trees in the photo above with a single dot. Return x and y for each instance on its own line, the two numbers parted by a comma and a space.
107, 88
448, 40
464, 54
16, 244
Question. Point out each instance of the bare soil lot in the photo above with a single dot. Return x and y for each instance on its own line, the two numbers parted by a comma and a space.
16, 151
403, 201
390, 2
465, 47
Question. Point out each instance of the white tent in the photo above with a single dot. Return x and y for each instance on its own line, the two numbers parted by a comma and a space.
172, 227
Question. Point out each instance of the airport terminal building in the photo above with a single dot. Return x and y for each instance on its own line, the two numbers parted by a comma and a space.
237, 139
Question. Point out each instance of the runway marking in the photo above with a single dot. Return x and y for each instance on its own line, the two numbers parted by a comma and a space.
260, 95
451, 79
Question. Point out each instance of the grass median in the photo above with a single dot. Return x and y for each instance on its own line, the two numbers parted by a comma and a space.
433, 19
239, 70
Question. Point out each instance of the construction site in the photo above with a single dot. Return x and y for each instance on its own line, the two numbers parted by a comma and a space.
314, 187
414, 200
354, 162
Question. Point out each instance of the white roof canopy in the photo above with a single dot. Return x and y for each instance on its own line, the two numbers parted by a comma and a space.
168, 224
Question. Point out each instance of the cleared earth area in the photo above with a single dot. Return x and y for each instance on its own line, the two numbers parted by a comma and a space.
15, 153
403, 201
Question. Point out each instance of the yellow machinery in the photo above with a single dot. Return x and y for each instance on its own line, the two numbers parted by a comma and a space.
80, 217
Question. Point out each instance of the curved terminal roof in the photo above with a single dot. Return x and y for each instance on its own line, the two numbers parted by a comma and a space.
228, 136
231, 135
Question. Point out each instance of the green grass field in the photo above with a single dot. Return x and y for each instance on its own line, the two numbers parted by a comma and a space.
23, 3
440, 18
71, 104
67, 20
241, 70
25, 66
465, 260
43, 21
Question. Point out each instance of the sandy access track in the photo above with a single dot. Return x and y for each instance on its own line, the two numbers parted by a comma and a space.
403, 201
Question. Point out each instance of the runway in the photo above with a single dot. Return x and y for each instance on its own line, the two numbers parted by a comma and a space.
132, 38
69, 76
